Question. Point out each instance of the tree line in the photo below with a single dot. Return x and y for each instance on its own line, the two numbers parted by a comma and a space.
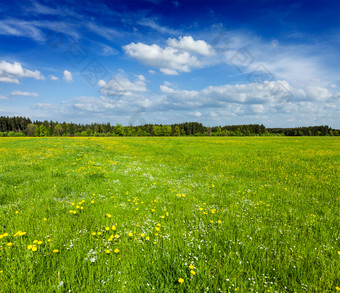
22, 126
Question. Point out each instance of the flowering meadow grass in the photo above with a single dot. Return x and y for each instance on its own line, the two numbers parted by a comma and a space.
254, 214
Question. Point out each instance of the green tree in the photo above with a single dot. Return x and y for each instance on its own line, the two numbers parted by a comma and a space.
119, 130
177, 131
58, 130
30, 130
43, 131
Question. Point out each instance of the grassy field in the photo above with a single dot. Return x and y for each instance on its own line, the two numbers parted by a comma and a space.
169, 214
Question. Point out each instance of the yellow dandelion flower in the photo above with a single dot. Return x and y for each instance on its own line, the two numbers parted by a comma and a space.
39, 242
142, 235
337, 288
108, 215
35, 241
116, 236
92, 201
9, 244
34, 248
180, 280
147, 238
130, 234
99, 233
45, 219
113, 228
116, 250
94, 233
107, 228
191, 267
5, 234
108, 251
193, 272
55, 251
1, 272
157, 229
339, 252
219, 221
29, 247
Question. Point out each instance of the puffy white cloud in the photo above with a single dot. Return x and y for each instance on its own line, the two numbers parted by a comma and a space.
52, 77
24, 94
333, 86
187, 43
68, 76
122, 86
169, 60
275, 94
11, 72
197, 114
3, 98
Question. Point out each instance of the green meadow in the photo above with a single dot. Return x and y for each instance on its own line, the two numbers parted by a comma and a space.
175, 214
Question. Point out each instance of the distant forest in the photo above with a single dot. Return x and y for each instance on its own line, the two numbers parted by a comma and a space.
22, 126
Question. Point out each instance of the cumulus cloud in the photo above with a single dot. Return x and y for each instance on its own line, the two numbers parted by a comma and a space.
24, 94
272, 93
177, 57
52, 77
12, 72
3, 98
121, 85
187, 43
68, 76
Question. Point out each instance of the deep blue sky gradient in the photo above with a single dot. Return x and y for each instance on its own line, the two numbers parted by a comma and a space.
297, 42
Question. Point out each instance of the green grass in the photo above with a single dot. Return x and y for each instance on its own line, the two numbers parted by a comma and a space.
250, 214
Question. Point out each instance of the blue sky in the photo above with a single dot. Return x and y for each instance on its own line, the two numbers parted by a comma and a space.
135, 62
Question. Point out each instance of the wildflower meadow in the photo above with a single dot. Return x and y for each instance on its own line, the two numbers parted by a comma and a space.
175, 214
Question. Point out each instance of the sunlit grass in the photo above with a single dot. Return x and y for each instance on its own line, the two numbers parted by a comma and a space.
169, 214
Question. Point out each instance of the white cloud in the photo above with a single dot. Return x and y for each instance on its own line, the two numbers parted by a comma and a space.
333, 86
107, 33
121, 85
3, 98
197, 114
52, 77
108, 51
68, 76
169, 60
11, 72
153, 25
152, 71
20, 28
188, 44
25, 94
35, 29
275, 94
